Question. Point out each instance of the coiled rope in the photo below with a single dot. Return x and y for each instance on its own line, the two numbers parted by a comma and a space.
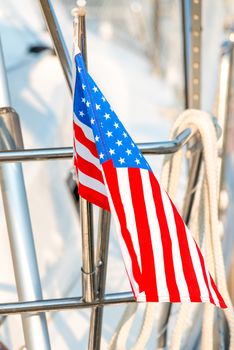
206, 229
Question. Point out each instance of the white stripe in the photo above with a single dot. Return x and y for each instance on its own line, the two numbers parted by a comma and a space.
85, 153
155, 236
91, 182
215, 298
197, 266
124, 250
178, 267
205, 293
78, 154
87, 130
125, 193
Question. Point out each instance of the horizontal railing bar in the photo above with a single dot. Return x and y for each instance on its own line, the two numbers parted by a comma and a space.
63, 304
164, 147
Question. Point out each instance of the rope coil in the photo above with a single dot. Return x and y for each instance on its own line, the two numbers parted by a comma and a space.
206, 227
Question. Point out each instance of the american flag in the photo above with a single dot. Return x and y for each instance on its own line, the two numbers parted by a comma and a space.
162, 260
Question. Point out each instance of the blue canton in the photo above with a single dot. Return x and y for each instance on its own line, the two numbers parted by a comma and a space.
111, 138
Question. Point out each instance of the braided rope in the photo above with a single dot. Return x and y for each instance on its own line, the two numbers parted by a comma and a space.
206, 224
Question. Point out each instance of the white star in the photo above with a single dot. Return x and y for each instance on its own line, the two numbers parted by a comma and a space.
83, 100
81, 113
101, 155
95, 89
132, 144
98, 107
111, 151
116, 125
83, 86
121, 160
107, 116
119, 143
87, 103
79, 69
97, 138
103, 99
92, 121
128, 151
124, 134
109, 133
137, 161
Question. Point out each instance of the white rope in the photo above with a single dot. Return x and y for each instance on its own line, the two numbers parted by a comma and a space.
119, 339
206, 224
201, 122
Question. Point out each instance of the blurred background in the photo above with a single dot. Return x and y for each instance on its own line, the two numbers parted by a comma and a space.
135, 54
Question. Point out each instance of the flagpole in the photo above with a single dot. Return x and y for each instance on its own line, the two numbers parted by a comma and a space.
86, 209
101, 263
98, 281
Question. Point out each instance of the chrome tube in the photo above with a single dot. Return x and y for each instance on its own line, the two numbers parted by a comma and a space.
223, 107
86, 210
192, 71
88, 265
48, 305
101, 269
81, 30
194, 100
39, 154
19, 223
58, 40
185, 54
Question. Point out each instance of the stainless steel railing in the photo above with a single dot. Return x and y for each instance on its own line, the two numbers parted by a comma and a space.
18, 221
39, 154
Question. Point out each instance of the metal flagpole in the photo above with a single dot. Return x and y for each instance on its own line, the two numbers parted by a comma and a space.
101, 268
96, 275
18, 221
86, 209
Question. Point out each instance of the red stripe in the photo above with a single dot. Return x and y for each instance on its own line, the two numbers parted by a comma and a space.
187, 264
166, 241
80, 136
113, 186
204, 273
89, 169
93, 196
144, 235
221, 301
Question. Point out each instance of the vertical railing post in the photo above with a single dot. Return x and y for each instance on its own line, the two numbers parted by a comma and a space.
18, 221
191, 17
223, 106
58, 40
194, 94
